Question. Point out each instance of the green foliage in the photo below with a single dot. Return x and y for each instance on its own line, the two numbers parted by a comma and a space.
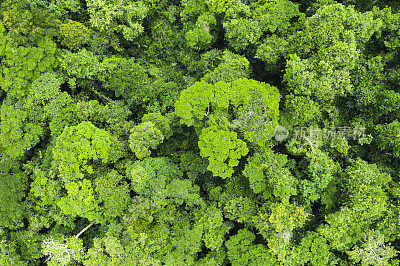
220, 145
146, 180
24, 64
45, 88
153, 236
193, 103
242, 250
8, 253
243, 95
201, 37
214, 227
143, 137
118, 17
73, 34
388, 138
19, 131
160, 179
12, 187
142, 132
302, 110
327, 49
275, 16
271, 51
223, 150
113, 192
80, 200
161, 122
77, 146
27, 25
230, 66
46, 187
320, 173
276, 223
108, 250
151, 86
373, 250
70, 5
81, 67
113, 113
3, 41
219, 6
193, 164
127, 78
366, 203
313, 248
266, 174
62, 251
240, 33
240, 209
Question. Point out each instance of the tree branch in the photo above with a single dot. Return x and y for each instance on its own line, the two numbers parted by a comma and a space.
311, 145
84, 229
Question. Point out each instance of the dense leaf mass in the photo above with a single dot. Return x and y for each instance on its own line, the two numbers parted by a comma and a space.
199, 132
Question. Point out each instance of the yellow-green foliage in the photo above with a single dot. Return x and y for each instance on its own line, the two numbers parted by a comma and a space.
22, 65
77, 146
73, 34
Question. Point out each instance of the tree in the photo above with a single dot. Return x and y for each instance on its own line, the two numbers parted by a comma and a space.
27, 25
8, 254
229, 66
45, 88
313, 248
62, 251
248, 99
3, 41
113, 194
328, 47
108, 250
80, 201
373, 250
241, 33
275, 16
193, 103
118, 17
160, 121
276, 223
223, 150
240, 209
267, 174
301, 110
160, 179
242, 250
272, 51
201, 37
193, 164
22, 65
143, 137
73, 34
320, 173
13, 184
214, 228
245, 96
387, 138
77, 146
76, 153
82, 68
19, 131
151, 175
156, 235
367, 202
141, 83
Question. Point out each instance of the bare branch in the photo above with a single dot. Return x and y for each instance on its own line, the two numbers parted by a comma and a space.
84, 229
